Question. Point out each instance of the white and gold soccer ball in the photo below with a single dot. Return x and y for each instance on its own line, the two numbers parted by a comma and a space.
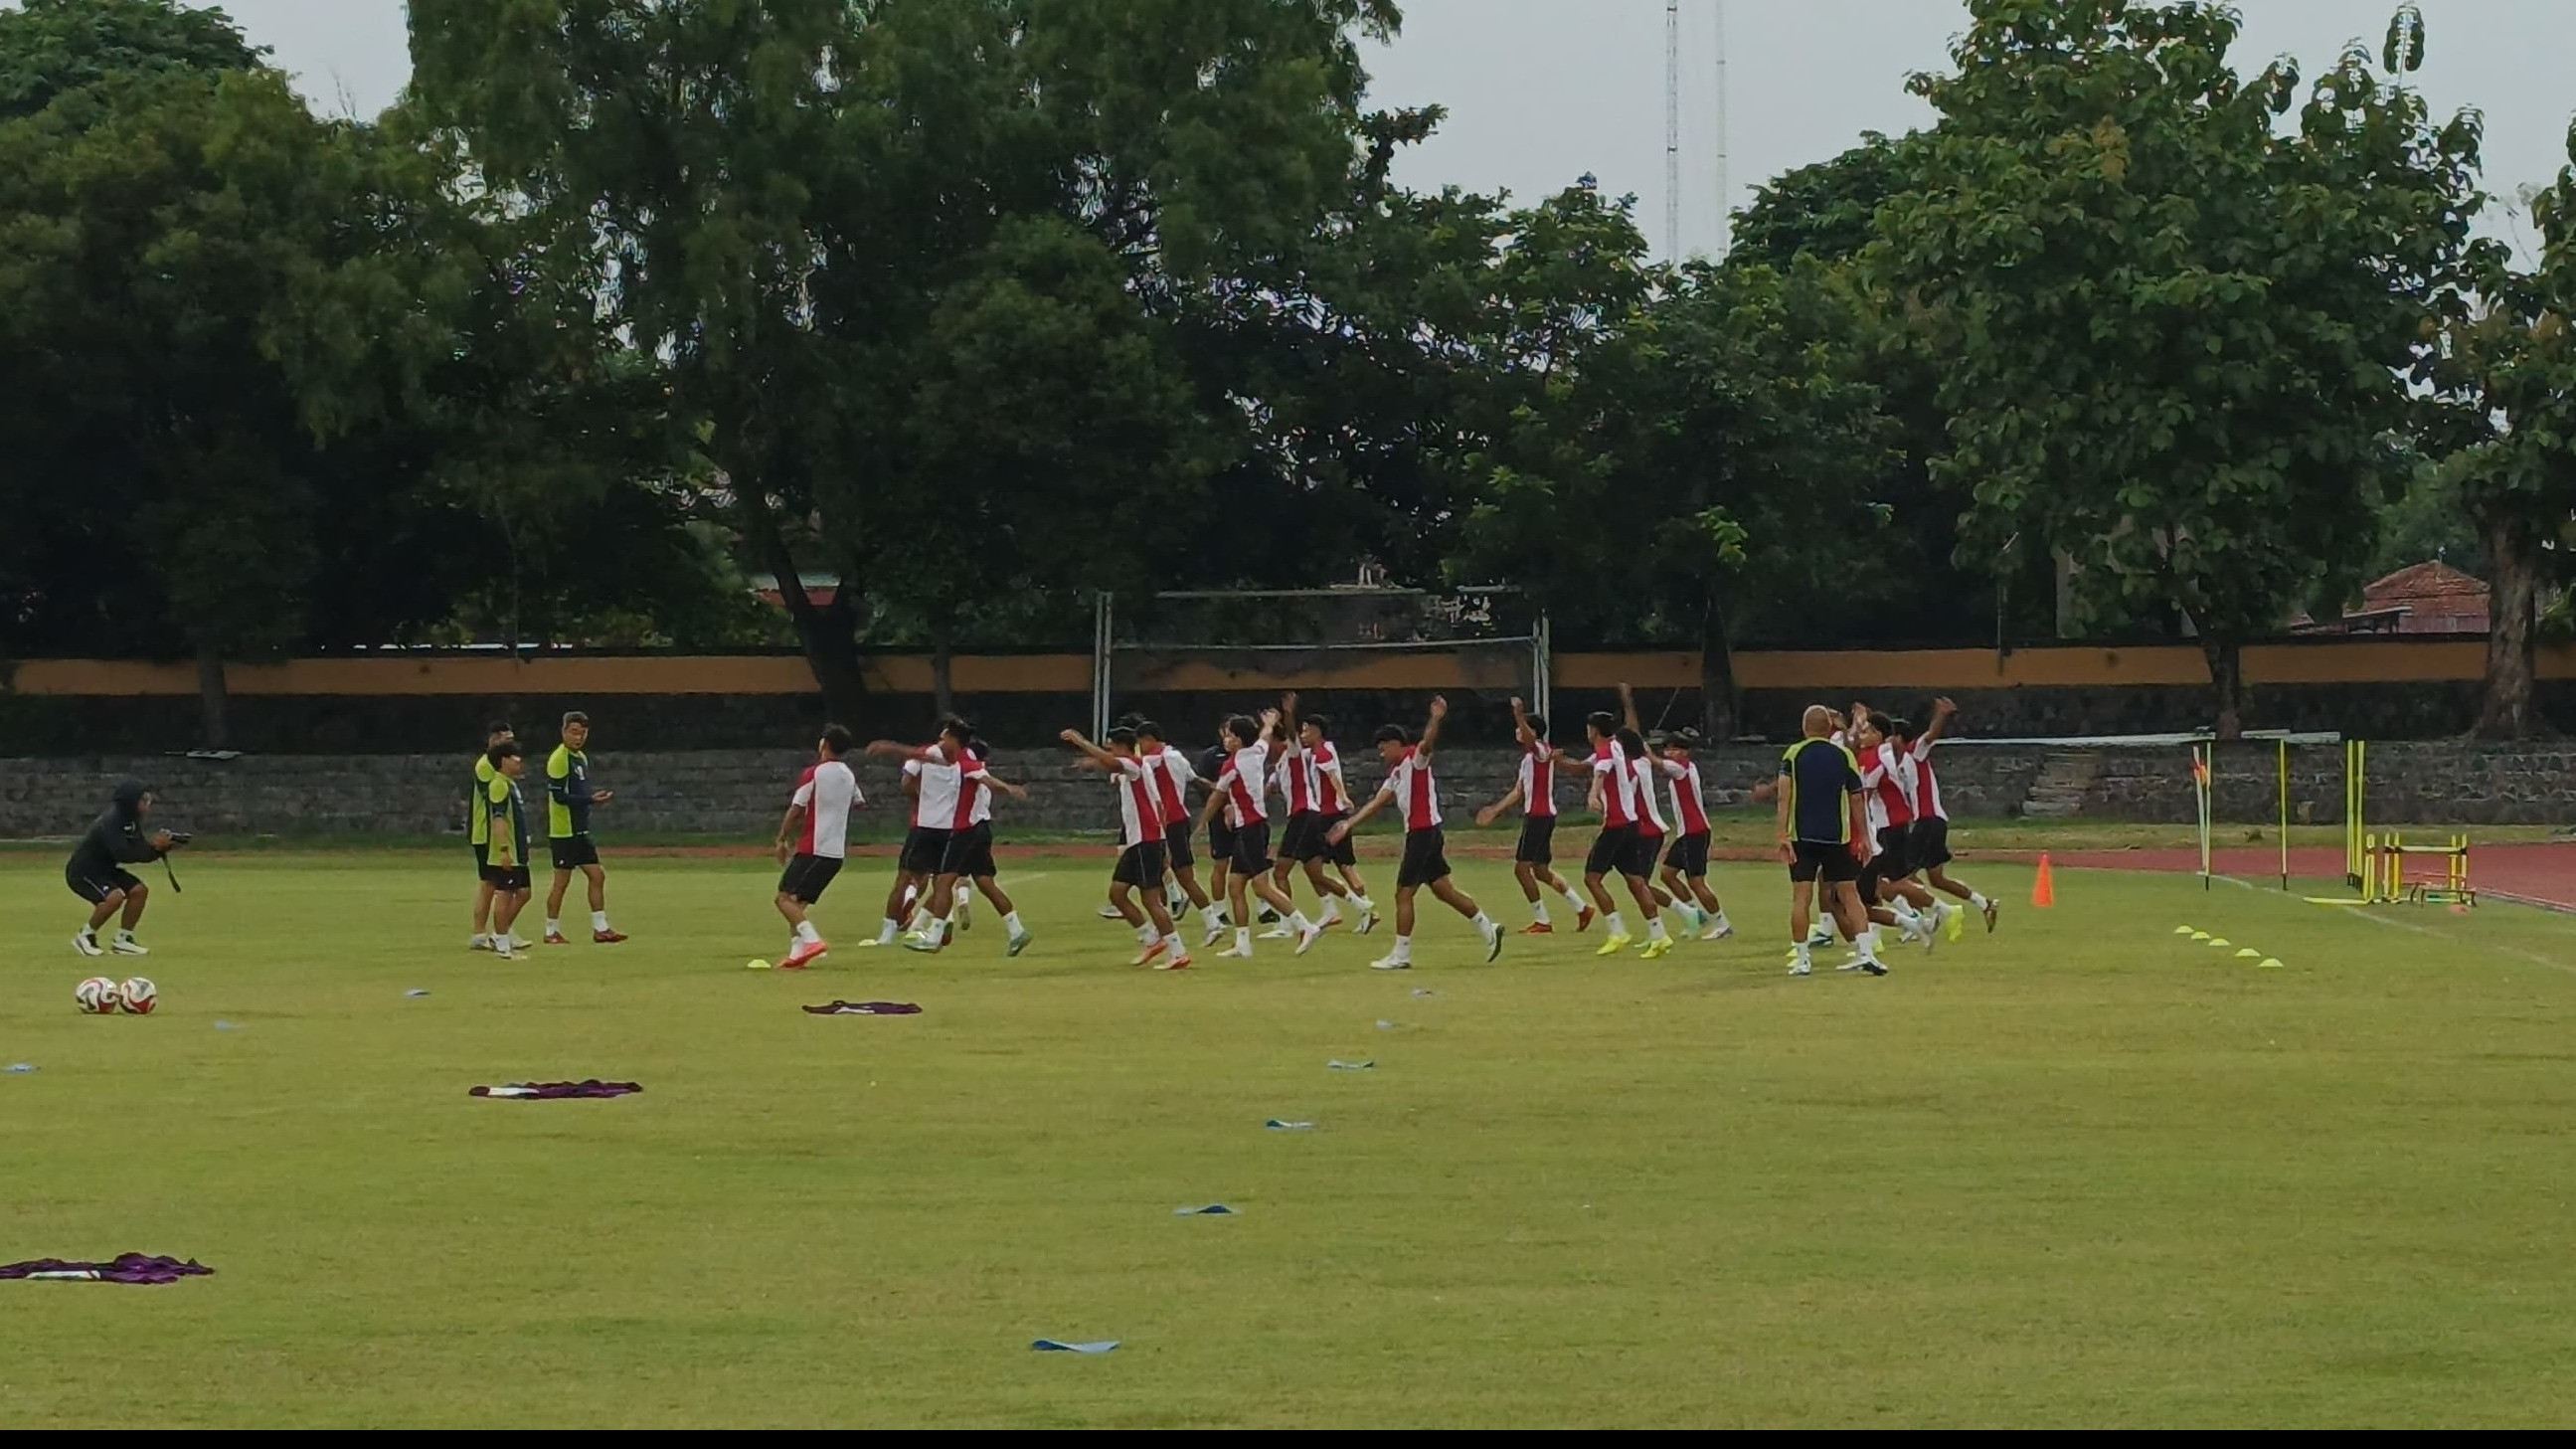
97, 996
138, 996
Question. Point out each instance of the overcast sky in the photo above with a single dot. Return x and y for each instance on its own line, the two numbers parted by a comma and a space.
1542, 91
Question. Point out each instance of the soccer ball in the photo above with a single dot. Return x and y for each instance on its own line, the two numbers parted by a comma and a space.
138, 996
97, 996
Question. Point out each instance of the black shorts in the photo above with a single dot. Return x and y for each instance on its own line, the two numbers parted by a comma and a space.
1611, 851
505, 877
1894, 860
1426, 858
924, 849
808, 876
1176, 846
572, 852
1310, 837
969, 852
1927, 843
1251, 847
1832, 862
93, 882
1140, 865
1689, 855
1538, 841
1220, 840
482, 855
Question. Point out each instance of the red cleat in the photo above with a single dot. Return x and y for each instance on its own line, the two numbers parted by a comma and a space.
805, 954
607, 938
1173, 963
1150, 954
1538, 928
556, 938
1583, 919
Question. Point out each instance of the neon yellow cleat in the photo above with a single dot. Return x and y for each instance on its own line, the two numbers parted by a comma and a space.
1614, 946
1658, 947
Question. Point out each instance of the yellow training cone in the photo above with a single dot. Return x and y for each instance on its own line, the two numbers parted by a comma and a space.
2246, 953
2200, 935
2182, 930
2220, 941
2268, 963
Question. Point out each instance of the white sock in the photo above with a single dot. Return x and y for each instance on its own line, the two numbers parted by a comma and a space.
1618, 927
911, 893
1147, 935
1013, 922
554, 927
887, 929
1903, 908
962, 891
1363, 903
1655, 930
124, 934
1804, 959
599, 920
1403, 949
1977, 899
1719, 920
806, 933
1243, 939
1331, 914
1868, 944
1575, 903
1486, 925
1212, 916
1538, 910
1297, 922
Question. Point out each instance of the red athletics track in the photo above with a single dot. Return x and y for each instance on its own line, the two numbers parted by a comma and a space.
2536, 874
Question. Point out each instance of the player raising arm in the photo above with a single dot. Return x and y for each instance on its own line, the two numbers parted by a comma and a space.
1426, 859
1534, 854
1141, 859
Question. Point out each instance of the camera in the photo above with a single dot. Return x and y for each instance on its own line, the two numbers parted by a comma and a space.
181, 837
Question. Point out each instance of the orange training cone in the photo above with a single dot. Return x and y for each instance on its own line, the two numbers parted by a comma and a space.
2043, 892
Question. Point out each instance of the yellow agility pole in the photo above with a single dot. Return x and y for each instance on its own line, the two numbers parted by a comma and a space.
2285, 814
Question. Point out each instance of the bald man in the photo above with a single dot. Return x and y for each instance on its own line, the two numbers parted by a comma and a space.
1822, 837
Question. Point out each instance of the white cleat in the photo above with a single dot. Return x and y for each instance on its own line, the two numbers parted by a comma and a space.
1214, 934
1109, 913
126, 945
1493, 945
1718, 930
1307, 938
479, 943
1366, 923
1278, 932
1235, 953
87, 945
1801, 968
1390, 963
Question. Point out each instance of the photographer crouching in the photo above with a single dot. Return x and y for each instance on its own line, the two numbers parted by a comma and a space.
97, 874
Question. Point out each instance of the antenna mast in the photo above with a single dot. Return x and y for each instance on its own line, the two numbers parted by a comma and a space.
1725, 212
1672, 130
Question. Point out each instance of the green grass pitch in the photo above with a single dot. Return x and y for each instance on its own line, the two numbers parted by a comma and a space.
2081, 1172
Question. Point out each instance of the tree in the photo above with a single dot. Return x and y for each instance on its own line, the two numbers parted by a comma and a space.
52, 47
2178, 339
1703, 455
783, 197
2513, 365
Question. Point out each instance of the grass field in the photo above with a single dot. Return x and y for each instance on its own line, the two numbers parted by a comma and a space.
2080, 1172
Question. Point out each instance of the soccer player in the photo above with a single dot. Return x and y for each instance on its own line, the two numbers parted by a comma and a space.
506, 830
97, 870
1534, 855
1238, 799
925, 842
970, 852
1318, 799
1426, 858
1650, 838
1619, 847
813, 840
1220, 838
569, 799
1821, 820
1167, 769
1929, 846
1686, 859
1140, 858
1887, 773
942, 846
478, 831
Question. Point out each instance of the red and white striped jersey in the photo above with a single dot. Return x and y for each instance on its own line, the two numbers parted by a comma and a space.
1324, 768
945, 802
1888, 776
828, 792
1297, 777
1171, 775
1411, 784
1242, 782
1538, 780
1650, 816
1927, 787
1140, 815
1689, 809
1618, 785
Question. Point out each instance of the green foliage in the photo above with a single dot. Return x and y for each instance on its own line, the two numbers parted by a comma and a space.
52, 47
2177, 337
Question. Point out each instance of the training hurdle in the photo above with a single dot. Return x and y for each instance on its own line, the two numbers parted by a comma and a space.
2386, 881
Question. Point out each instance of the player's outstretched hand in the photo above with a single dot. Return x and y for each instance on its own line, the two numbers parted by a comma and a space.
602, 797
1289, 700
1485, 816
1070, 737
1340, 832
1518, 704
1944, 705
1439, 706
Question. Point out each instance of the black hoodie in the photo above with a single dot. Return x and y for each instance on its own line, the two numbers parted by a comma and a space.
116, 838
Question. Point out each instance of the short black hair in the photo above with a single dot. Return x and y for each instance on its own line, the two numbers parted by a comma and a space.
574, 717
1686, 737
1123, 736
506, 750
1537, 724
1323, 723
498, 727
837, 739
957, 729
1146, 729
1243, 727
1630, 741
1602, 720
1131, 719
1394, 734
977, 749
1900, 729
